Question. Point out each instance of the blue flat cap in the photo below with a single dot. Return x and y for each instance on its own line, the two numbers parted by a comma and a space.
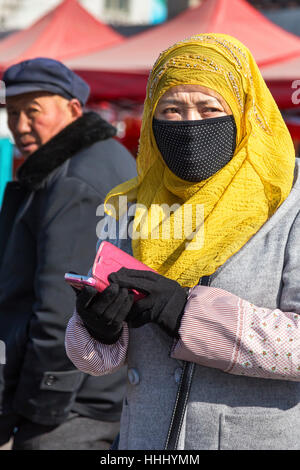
43, 74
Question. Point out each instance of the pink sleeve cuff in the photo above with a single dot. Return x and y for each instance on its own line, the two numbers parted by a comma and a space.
223, 331
209, 328
90, 356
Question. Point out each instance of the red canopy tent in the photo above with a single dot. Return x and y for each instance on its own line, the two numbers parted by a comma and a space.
66, 31
281, 79
129, 63
285, 70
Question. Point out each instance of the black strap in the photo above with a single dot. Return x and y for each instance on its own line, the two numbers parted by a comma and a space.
115, 443
182, 396
180, 406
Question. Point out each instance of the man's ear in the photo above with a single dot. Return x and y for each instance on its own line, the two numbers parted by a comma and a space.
75, 108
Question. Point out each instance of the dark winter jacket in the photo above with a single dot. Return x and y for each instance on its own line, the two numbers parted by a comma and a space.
48, 227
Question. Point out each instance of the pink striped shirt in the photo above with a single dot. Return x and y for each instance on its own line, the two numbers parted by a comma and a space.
218, 329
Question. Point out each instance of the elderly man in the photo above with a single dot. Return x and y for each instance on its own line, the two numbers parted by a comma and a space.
48, 227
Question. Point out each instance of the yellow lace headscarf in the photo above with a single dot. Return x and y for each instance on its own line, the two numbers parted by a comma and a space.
239, 198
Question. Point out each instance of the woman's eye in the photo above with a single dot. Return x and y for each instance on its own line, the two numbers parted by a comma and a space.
212, 110
170, 110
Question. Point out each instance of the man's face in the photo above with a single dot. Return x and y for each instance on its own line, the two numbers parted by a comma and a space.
34, 118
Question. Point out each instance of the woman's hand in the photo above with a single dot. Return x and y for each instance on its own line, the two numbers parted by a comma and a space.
164, 301
103, 313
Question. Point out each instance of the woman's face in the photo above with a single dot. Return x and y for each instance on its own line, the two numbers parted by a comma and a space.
190, 103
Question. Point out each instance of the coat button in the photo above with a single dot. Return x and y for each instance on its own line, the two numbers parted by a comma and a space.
133, 376
50, 380
177, 374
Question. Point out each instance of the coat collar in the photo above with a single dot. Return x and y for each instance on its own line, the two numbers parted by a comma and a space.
82, 133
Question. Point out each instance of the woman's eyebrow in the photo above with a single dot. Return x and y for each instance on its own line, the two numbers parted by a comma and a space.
181, 102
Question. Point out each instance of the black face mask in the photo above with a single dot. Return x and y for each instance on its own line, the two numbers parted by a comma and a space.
196, 150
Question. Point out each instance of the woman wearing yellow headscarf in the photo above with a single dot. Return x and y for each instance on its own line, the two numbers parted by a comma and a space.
213, 347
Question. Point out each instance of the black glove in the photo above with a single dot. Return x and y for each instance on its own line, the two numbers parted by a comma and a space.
164, 302
103, 313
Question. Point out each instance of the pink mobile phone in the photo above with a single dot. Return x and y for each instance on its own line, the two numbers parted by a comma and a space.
78, 281
108, 259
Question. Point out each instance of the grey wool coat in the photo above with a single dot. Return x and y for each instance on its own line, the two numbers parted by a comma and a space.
224, 411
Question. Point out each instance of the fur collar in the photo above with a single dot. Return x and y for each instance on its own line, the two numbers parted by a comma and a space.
83, 132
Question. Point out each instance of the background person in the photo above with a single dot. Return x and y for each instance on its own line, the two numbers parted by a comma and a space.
48, 227
213, 136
